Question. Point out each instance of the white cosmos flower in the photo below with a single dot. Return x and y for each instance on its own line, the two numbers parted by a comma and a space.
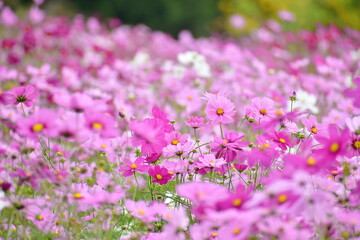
197, 60
3, 204
304, 101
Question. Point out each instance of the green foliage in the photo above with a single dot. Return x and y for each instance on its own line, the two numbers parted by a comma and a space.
308, 13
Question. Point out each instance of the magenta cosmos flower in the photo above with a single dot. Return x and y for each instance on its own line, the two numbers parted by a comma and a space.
281, 139
228, 147
219, 109
25, 95
160, 175
335, 144
149, 134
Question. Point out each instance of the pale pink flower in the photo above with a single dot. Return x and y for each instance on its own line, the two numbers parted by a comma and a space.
220, 109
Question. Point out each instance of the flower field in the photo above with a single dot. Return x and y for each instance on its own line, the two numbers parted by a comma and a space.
109, 131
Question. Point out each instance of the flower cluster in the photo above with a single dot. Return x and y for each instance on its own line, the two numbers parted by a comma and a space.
110, 131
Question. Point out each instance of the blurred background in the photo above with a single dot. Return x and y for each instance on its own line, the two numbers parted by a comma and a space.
202, 17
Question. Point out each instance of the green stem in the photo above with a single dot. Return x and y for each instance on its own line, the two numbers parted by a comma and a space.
197, 141
150, 188
23, 110
8, 232
230, 175
221, 131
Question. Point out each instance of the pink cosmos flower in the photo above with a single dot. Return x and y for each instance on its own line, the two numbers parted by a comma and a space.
281, 139
286, 16
195, 122
311, 163
240, 167
202, 192
41, 122
236, 199
141, 210
8, 17
175, 166
43, 219
153, 157
228, 147
313, 126
178, 149
335, 145
25, 95
237, 21
355, 195
220, 109
36, 15
175, 138
161, 115
131, 167
190, 99
160, 175
210, 161
263, 108
264, 154
149, 134
78, 102
355, 93
101, 123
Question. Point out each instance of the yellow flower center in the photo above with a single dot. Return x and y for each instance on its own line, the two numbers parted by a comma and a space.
174, 142
263, 111
314, 130
356, 144
103, 146
237, 202
38, 127
282, 140
97, 126
190, 98
311, 161
262, 147
200, 194
220, 111
214, 234
159, 177
282, 198
236, 231
140, 211
133, 166
39, 217
78, 195
334, 147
